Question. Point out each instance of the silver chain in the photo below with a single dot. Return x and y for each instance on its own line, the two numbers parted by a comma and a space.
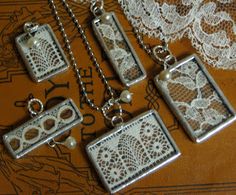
144, 46
89, 51
159, 53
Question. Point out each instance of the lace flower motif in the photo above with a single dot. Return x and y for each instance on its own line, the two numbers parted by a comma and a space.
106, 156
154, 140
115, 173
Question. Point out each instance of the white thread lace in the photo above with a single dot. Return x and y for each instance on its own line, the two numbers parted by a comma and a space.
119, 50
210, 25
196, 99
131, 150
40, 127
46, 58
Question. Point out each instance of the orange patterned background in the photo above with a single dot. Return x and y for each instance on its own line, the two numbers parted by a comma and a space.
208, 168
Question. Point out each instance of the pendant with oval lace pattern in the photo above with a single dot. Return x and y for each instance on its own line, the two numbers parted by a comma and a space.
195, 98
118, 49
132, 151
42, 53
42, 128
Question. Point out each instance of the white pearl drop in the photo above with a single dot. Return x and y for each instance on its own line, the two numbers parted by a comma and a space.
33, 42
165, 75
126, 96
107, 16
70, 143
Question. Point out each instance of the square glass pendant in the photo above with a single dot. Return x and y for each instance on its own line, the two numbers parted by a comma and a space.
132, 151
42, 53
195, 99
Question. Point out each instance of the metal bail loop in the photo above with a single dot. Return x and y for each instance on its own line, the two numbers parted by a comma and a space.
30, 27
97, 8
169, 61
117, 121
31, 103
162, 54
107, 106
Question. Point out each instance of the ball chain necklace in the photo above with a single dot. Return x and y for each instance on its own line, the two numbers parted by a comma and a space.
132, 149
125, 96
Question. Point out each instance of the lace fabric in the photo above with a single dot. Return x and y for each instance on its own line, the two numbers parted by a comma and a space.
198, 101
43, 126
45, 59
210, 25
132, 151
119, 50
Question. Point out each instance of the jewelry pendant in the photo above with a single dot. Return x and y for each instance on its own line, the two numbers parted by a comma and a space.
132, 150
41, 52
43, 128
195, 98
117, 46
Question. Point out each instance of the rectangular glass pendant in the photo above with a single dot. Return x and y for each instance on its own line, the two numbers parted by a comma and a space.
118, 49
195, 99
132, 151
42, 128
42, 53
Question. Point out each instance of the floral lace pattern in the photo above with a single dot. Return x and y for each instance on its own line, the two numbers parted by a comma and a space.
191, 91
210, 25
131, 151
154, 140
121, 53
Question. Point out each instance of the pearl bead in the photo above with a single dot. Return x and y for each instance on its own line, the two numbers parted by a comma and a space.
33, 42
105, 17
165, 75
70, 143
126, 96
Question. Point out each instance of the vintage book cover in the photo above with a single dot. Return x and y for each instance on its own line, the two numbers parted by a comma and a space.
207, 168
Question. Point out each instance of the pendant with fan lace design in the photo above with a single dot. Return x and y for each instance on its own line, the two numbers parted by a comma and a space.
132, 151
42, 53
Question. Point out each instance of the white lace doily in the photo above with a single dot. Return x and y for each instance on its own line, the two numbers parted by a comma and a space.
209, 24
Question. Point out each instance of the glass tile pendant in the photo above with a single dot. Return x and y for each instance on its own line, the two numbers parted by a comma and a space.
195, 98
132, 151
42, 128
118, 48
41, 52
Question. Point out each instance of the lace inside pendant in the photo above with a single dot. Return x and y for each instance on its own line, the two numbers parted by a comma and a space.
118, 49
133, 150
196, 99
42, 53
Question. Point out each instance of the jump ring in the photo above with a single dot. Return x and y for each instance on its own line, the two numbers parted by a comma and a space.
97, 9
31, 110
169, 60
52, 143
30, 27
159, 49
117, 121
108, 105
